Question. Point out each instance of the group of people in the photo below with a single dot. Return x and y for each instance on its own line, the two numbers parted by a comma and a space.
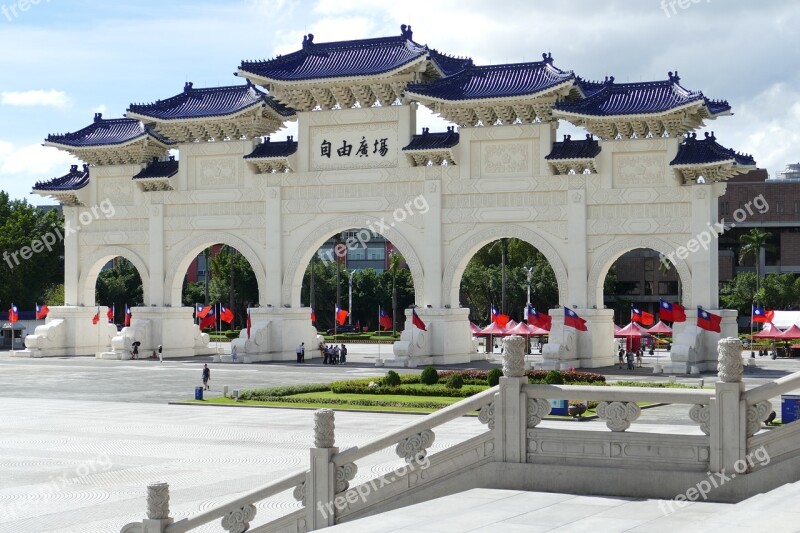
629, 356
333, 355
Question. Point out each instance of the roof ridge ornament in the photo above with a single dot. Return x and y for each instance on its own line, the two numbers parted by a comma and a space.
609, 80
673, 77
547, 57
98, 117
711, 136
188, 87
406, 32
308, 42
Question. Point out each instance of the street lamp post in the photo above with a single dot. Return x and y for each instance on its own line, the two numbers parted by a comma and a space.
350, 298
530, 277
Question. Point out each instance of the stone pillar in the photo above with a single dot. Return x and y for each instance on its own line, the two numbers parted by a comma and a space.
157, 508
273, 261
577, 287
728, 424
275, 334
446, 340
510, 413
432, 244
704, 260
156, 236
71, 258
321, 489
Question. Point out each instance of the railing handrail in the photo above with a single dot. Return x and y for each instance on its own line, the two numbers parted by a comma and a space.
438, 418
618, 394
282, 484
774, 388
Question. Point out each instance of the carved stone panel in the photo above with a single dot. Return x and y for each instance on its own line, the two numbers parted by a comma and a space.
372, 145
504, 159
216, 173
638, 169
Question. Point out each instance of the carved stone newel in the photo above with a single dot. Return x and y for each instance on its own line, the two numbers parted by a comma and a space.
729, 356
158, 501
514, 356
324, 428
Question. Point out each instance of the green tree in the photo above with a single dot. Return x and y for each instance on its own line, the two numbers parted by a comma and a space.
118, 286
780, 291
229, 262
24, 281
752, 244
739, 293
193, 293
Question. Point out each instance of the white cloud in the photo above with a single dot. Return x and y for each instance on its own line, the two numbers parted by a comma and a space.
34, 161
102, 108
39, 98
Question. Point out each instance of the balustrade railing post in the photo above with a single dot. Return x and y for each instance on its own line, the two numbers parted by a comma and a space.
728, 412
510, 407
157, 509
321, 489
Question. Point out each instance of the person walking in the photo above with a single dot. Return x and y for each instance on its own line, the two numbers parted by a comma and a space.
639, 356
336, 354
630, 360
343, 354
621, 357
234, 353
160, 355
300, 352
206, 377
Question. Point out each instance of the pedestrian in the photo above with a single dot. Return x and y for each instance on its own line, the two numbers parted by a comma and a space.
160, 355
299, 352
629, 357
234, 353
206, 377
135, 351
621, 357
336, 354
639, 356
326, 355
343, 354
322, 350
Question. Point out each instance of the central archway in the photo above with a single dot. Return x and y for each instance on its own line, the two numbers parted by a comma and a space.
88, 278
293, 277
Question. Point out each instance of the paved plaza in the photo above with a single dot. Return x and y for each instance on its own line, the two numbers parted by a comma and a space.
83, 437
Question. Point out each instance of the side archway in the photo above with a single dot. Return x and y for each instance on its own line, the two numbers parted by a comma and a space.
88, 279
180, 260
454, 271
606, 257
296, 268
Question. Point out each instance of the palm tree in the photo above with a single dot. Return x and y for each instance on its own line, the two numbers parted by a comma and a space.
752, 243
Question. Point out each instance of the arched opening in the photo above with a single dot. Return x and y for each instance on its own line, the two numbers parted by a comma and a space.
371, 275
507, 274
221, 277
640, 278
118, 286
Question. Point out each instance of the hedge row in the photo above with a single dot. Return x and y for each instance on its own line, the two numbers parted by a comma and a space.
280, 392
348, 387
342, 401
570, 376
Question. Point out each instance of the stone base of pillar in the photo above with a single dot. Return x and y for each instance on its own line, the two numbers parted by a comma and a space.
695, 347
172, 328
593, 348
275, 333
446, 341
69, 331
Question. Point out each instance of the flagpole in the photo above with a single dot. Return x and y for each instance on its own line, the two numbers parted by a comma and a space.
217, 323
751, 329
379, 340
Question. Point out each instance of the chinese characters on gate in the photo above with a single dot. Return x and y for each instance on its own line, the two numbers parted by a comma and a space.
379, 148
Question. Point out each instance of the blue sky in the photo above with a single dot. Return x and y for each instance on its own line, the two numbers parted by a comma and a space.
63, 60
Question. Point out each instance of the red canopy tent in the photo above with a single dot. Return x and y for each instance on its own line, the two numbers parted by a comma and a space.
630, 332
474, 329
790, 334
616, 329
660, 327
537, 331
769, 332
511, 324
494, 329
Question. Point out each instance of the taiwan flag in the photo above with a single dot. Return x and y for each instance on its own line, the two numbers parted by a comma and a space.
384, 320
572, 320
341, 315
708, 321
209, 319
96, 317
417, 321
127, 316
643, 317
41, 311
671, 312
760, 315
540, 320
110, 314
499, 319
13, 314
313, 317
225, 314
202, 312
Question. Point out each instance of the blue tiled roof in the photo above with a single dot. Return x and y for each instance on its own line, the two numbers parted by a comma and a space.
495, 81
210, 102
434, 141
449, 65
158, 169
364, 57
274, 149
587, 148
76, 179
106, 132
615, 99
694, 151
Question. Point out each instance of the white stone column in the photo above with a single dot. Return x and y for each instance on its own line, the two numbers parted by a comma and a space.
432, 245
273, 259
728, 440
704, 261
447, 339
577, 263
510, 408
321, 489
71, 258
156, 266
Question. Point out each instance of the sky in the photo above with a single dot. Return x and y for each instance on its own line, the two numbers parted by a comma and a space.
63, 60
